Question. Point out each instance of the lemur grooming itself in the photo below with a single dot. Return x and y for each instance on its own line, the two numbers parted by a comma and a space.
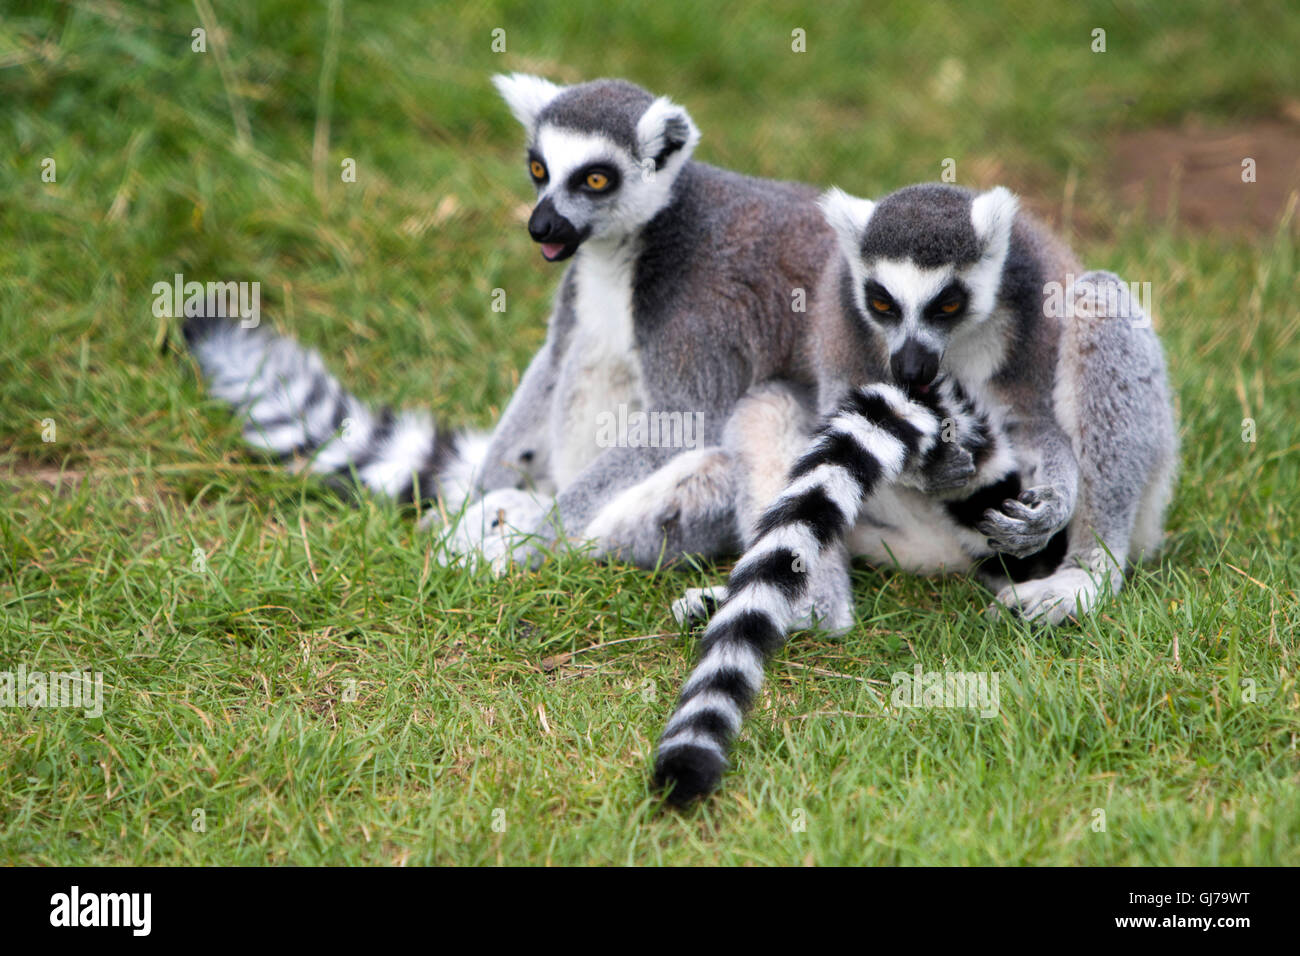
939, 290
675, 301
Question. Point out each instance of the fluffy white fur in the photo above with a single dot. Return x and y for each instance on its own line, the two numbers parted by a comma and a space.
526, 95
848, 217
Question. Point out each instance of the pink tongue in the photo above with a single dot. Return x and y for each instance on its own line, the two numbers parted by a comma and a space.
551, 249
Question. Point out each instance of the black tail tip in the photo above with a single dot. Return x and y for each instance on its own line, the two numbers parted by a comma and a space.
196, 328
688, 772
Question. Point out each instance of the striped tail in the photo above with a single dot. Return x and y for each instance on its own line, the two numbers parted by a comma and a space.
291, 406
875, 434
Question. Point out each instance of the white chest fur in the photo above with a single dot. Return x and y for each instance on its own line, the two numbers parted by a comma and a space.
904, 527
976, 353
601, 370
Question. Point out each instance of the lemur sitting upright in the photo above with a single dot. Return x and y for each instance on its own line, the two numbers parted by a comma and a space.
941, 291
677, 301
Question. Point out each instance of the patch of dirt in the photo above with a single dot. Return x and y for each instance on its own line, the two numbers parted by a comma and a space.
1199, 171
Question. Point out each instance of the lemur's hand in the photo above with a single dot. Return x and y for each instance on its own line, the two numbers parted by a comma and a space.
698, 604
950, 464
499, 530
947, 468
1024, 525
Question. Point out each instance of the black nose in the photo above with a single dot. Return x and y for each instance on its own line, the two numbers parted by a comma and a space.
914, 366
547, 225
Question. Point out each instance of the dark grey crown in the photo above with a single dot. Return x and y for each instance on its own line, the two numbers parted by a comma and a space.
929, 224
610, 107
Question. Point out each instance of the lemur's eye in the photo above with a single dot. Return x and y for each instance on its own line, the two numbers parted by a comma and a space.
538, 169
950, 303
880, 305
597, 181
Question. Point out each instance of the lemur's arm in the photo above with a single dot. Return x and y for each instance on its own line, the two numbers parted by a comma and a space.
848, 354
950, 461
614, 471
670, 385
509, 487
519, 452
1049, 476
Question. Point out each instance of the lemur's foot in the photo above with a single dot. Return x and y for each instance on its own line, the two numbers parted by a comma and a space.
828, 608
833, 614
1023, 526
697, 604
496, 531
1069, 593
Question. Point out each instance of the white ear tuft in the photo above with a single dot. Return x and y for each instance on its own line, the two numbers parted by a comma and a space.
664, 130
848, 216
526, 95
992, 214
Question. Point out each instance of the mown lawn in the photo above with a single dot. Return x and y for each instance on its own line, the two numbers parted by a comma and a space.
303, 672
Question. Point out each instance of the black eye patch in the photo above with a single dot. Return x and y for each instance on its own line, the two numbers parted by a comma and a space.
595, 179
950, 303
879, 302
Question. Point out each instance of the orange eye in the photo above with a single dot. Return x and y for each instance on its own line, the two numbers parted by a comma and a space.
880, 305
597, 181
537, 168
948, 308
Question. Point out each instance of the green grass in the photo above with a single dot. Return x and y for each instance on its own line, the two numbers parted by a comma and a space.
228, 689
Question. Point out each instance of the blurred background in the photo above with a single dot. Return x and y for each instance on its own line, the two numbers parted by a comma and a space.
229, 603
227, 164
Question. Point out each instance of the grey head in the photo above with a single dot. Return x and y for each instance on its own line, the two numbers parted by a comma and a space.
602, 156
924, 268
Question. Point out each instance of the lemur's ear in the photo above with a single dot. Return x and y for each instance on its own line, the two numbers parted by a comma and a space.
992, 214
526, 95
664, 130
848, 216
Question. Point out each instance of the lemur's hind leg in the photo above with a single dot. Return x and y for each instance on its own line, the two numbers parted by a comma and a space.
487, 530
684, 507
1112, 399
766, 433
708, 501
699, 501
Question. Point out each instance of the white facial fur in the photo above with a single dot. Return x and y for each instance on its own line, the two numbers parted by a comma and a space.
992, 214
526, 95
912, 288
564, 152
642, 190
848, 217
970, 343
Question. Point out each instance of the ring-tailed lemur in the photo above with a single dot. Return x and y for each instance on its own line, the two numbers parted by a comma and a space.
1074, 434
680, 301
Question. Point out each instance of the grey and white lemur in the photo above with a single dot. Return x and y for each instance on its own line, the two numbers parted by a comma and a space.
682, 297
942, 294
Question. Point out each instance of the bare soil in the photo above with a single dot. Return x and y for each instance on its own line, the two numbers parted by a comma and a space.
1193, 174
